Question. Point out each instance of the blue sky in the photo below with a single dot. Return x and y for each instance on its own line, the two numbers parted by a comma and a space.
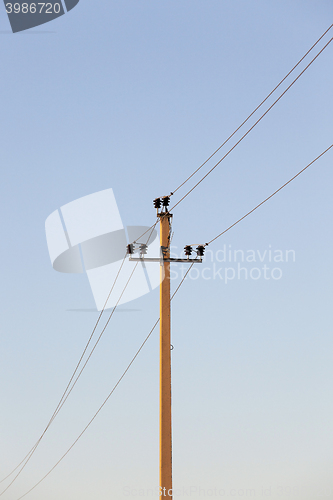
135, 95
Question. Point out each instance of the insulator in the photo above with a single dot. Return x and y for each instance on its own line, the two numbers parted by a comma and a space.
130, 249
157, 203
166, 201
200, 250
188, 250
143, 249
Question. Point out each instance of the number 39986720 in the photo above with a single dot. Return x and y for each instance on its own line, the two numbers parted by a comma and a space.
33, 8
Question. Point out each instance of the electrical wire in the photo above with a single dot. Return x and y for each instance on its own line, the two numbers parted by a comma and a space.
256, 109
109, 395
65, 396
245, 121
67, 390
151, 331
56, 411
269, 197
252, 127
149, 228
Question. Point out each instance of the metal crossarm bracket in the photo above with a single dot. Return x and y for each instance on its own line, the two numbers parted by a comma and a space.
161, 259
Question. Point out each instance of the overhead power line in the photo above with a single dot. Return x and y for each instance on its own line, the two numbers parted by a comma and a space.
269, 197
109, 395
68, 385
245, 121
67, 390
256, 109
156, 323
252, 127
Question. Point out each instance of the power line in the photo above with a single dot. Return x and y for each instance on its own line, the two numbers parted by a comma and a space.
67, 390
109, 395
65, 396
73, 375
149, 228
100, 336
245, 121
256, 109
156, 323
251, 128
270, 196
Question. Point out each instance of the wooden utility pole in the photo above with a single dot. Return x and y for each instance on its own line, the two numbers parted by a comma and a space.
161, 204
165, 362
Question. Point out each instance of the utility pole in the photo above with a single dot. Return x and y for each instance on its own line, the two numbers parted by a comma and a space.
161, 204
165, 361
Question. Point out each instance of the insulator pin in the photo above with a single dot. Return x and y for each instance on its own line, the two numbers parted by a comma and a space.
188, 250
130, 249
200, 250
157, 203
166, 201
143, 248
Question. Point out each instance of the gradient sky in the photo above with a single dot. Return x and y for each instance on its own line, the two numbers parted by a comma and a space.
134, 96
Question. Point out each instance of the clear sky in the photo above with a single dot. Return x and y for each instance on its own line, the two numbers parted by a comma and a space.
134, 96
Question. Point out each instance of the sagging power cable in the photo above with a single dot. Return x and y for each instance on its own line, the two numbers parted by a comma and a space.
69, 388
68, 391
32, 450
268, 198
253, 126
109, 395
254, 111
246, 120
